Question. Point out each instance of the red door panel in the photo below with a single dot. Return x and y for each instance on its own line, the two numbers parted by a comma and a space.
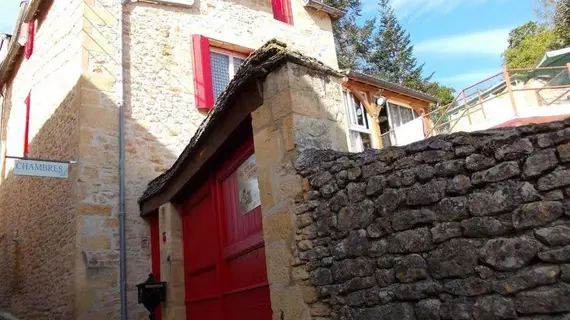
226, 276
200, 257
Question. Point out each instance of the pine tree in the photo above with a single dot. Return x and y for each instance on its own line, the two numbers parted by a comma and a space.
392, 56
352, 41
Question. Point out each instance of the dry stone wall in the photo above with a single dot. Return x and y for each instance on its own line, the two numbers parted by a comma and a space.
465, 226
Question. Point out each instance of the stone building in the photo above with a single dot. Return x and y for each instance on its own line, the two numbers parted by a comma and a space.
463, 226
73, 69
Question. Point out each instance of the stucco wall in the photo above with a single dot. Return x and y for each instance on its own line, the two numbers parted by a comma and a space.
37, 229
466, 226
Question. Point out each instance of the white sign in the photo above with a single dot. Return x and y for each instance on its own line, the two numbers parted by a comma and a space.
40, 168
249, 198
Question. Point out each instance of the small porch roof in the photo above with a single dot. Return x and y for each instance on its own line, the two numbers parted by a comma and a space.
243, 95
555, 58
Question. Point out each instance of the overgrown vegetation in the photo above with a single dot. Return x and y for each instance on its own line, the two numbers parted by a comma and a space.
529, 42
381, 47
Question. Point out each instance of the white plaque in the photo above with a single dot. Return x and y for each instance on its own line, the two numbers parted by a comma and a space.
249, 198
40, 168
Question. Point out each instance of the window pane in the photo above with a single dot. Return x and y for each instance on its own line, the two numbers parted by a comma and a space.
394, 112
249, 198
237, 64
360, 141
406, 114
220, 72
416, 115
360, 113
366, 140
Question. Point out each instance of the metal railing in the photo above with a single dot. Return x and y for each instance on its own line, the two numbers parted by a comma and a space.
501, 96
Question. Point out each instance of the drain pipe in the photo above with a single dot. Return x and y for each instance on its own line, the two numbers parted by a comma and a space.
122, 204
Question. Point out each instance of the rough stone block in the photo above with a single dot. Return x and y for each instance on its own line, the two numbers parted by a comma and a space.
450, 168
528, 278
457, 309
556, 256
445, 231
483, 227
410, 268
472, 286
554, 236
410, 241
564, 152
539, 162
500, 172
554, 180
428, 309
509, 253
459, 185
407, 219
428, 193
537, 214
514, 150
452, 209
455, 258
544, 300
494, 307
476, 162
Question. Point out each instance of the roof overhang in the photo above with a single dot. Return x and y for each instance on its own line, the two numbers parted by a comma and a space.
375, 82
242, 96
321, 6
28, 10
555, 58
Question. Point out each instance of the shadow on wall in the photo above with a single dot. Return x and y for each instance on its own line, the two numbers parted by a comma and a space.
59, 237
38, 226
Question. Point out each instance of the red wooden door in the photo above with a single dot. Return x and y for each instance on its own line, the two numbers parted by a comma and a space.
225, 269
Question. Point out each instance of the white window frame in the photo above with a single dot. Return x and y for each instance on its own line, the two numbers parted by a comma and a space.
353, 125
231, 55
399, 104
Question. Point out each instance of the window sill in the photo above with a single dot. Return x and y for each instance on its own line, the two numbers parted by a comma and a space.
172, 3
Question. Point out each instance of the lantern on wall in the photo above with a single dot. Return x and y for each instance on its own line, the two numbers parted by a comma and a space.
151, 293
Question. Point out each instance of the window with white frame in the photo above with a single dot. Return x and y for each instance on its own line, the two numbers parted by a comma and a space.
359, 122
400, 114
224, 66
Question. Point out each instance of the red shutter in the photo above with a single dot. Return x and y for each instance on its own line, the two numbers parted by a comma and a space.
203, 89
30, 41
282, 10
27, 125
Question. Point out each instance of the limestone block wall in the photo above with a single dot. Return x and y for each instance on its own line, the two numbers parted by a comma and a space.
465, 226
37, 228
302, 109
160, 113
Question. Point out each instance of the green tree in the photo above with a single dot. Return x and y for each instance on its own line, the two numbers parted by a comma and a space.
444, 94
528, 50
518, 34
352, 40
555, 15
562, 23
391, 56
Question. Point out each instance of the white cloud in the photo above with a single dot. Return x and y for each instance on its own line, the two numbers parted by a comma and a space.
489, 42
468, 77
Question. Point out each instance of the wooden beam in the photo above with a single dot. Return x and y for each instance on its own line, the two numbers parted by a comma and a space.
371, 109
389, 94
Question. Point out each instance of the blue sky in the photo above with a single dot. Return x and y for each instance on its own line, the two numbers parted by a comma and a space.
460, 40
8, 13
